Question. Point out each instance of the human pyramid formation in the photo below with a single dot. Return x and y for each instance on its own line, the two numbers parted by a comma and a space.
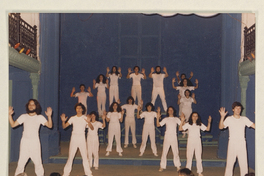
189, 121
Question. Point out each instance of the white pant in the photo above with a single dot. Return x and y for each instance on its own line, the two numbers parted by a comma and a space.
101, 100
136, 92
170, 141
159, 91
148, 131
30, 148
93, 150
114, 131
113, 93
194, 146
130, 124
237, 149
77, 141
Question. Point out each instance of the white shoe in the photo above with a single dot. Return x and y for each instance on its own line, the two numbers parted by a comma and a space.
141, 154
120, 154
134, 145
107, 154
160, 170
155, 154
125, 146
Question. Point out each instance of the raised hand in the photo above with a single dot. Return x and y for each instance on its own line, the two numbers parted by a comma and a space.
165, 69
182, 117
139, 108
88, 118
73, 89
63, 117
104, 115
123, 111
106, 81
152, 69
196, 81
193, 95
107, 69
119, 69
143, 70
158, 109
48, 112
173, 80
118, 101
177, 73
179, 96
222, 112
89, 89
129, 70
209, 119
191, 74
94, 81
10, 111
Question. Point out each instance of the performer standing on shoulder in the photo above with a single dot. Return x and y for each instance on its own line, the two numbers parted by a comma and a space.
158, 87
30, 144
136, 87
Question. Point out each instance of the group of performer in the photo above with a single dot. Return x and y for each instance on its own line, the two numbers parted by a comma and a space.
89, 148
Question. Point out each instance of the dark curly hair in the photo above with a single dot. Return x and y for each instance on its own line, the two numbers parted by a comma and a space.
98, 78
38, 107
174, 111
130, 97
136, 67
150, 104
189, 83
96, 115
198, 121
83, 107
237, 104
115, 72
118, 107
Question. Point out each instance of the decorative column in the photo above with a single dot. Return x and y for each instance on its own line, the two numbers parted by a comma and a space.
34, 81
243, 85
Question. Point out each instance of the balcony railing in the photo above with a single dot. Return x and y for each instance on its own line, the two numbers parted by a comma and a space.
22, 36
249, 43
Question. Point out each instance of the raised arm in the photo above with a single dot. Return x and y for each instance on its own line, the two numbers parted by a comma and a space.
13, 123
107, 72
88, 120
63, 119
138, 112
72, 92
193, 97
48, 114
253, 125
191, 75
128, 73
196, 84
177, 75
179, 99
94, 82
158, 116
143, 72
89, 91
107, 85
119, 70
222, 114
182, 122
173, 81
151, 72
122, 114
209, 123
104, 117
165, 71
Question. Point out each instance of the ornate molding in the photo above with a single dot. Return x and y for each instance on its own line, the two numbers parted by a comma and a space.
23, 61
246, 68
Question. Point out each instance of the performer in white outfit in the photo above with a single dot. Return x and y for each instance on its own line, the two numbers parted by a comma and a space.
114, 117
114, 75
30, 144
136, 86
148, 128
158, 88
130, 122
82, 96
101, 83
92, 139
79, 122
186, 102
183, 88
183, 75
170, 137
237, 142
194, 144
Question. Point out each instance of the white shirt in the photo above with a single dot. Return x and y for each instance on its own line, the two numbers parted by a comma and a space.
82, 97
136, 78
237, 127
171, 125
100, 87
113, 79
78, 123
182, 89
114, 117
31, 124
186, 102
158, 79
194, 130
130, 111
96, 126
149, 117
